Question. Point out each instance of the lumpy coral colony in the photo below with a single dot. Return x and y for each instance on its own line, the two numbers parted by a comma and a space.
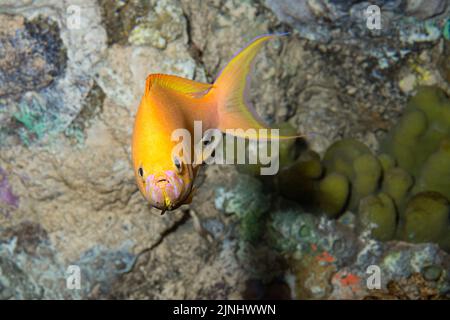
402, 193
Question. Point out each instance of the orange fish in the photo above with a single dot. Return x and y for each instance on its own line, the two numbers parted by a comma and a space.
165, 178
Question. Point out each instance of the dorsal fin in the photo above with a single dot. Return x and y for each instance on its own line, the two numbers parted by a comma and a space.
181, 85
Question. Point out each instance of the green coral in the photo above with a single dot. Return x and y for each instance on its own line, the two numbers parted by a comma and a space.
378, 213
367, 170
427, 218
387, 162
397, 183
404, 139
419, 133
307, 165
333, 194
340, 155
402, 193
298, 181
420, 185
435, 172
355, 161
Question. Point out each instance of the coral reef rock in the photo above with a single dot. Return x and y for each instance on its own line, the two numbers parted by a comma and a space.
71, 76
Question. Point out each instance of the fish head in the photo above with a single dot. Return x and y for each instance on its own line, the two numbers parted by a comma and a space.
165, 184
162, 165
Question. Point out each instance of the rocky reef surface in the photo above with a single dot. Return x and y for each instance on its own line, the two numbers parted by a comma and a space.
71, 76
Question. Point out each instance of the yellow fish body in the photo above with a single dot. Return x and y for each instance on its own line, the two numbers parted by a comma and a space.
166, 179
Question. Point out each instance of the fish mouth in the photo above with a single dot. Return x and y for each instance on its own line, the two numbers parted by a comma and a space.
166, 205
164, 191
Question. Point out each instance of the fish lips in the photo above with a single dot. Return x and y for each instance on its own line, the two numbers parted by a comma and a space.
165, 191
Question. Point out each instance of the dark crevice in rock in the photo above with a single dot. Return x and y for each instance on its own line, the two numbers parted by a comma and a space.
92, 108
186, 216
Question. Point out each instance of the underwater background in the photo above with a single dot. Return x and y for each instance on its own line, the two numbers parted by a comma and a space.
368, 186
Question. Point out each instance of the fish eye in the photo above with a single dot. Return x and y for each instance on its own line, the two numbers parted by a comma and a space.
177, 163
141, 172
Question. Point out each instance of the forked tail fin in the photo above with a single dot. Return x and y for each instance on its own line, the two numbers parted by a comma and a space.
231, 89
